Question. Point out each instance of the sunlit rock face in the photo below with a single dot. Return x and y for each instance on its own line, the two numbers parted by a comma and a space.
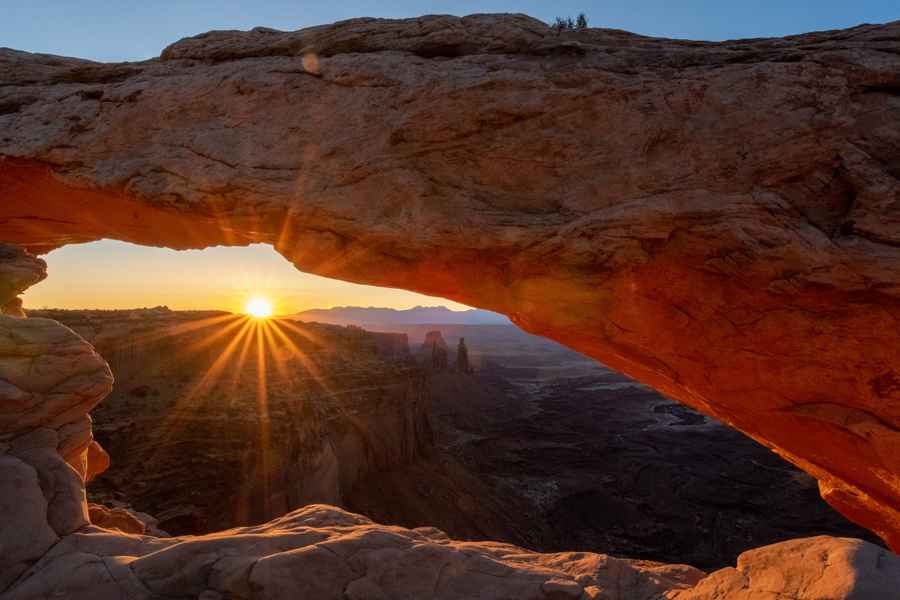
804, 569
718, 220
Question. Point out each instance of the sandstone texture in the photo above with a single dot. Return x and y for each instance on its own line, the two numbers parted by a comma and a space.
18, 270
718, 220
122, 519
50, 549
323, 552
817, 568
49, 379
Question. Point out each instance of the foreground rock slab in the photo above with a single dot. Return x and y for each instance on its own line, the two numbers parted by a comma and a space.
718, 220
805, 569
323, 552
326, 553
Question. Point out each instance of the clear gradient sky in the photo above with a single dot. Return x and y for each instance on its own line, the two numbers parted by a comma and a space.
115, 275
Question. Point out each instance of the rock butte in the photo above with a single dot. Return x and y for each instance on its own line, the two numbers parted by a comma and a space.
718, 220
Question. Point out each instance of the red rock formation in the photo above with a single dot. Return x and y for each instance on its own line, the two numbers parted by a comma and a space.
462, 357
18, 270
434, 349
718, 220
49, 379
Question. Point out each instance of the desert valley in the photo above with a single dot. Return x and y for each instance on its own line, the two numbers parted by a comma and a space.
538, 446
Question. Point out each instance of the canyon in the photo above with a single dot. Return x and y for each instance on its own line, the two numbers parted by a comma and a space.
218, 420
542, 447
716, 220
195, 442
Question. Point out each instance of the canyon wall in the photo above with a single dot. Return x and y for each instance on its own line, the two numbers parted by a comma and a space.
209, 431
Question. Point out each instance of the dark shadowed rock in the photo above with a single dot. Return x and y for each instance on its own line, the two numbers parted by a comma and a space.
434, 350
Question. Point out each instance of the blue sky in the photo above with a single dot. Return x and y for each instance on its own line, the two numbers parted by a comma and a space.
127, 30
111, 274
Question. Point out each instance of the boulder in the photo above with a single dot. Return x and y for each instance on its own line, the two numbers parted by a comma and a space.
121, 519
25, 534
97, 461
49, 376
818, 568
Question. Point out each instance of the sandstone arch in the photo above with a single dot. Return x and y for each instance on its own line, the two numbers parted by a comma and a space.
718, 220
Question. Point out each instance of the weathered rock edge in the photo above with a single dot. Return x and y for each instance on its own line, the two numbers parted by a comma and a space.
718, 220
326, 553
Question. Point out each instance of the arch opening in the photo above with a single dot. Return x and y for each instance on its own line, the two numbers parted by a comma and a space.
217, 421
666, 305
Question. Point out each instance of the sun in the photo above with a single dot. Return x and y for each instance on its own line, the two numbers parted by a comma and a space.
259, 308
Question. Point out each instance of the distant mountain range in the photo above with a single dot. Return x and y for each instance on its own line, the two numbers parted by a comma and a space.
431, 315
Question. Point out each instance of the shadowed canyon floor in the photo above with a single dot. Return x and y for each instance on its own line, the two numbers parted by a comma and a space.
608, 465
541, 447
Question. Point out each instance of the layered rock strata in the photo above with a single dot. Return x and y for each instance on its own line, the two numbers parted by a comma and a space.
19, 270
53, 378
49, 379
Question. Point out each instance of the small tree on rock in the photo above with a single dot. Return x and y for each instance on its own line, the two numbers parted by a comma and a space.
569, 24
